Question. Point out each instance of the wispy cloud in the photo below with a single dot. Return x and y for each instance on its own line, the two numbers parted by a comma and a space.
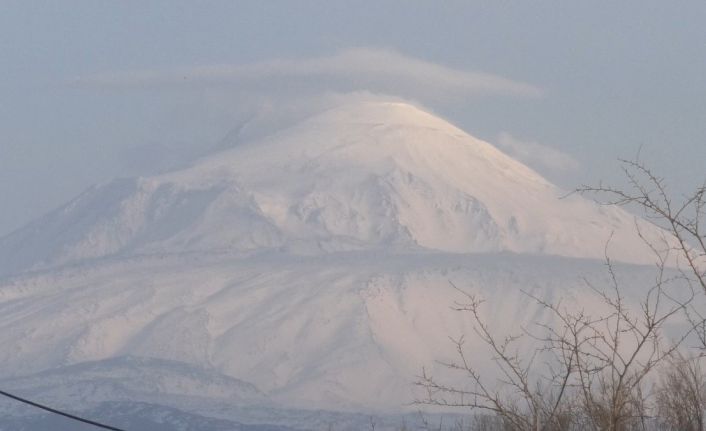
363, 69
536, 154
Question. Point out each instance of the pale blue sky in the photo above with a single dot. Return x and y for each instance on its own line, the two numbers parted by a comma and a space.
88, 89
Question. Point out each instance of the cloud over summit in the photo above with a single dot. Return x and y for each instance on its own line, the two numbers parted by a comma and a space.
360, 69
536, 154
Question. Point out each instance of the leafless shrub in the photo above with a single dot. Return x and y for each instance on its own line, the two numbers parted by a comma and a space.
591, 372
589, 369
681, 394
684, 218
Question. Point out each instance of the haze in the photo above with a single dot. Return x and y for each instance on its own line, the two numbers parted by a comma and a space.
90, 91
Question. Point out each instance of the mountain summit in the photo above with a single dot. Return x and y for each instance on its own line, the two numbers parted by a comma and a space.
361, 176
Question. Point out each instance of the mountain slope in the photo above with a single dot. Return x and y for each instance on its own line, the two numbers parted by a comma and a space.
344, 331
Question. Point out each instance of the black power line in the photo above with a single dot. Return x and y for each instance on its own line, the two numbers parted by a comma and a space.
58, 412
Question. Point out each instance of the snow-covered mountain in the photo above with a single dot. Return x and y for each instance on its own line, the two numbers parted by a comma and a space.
313, 265
362, 176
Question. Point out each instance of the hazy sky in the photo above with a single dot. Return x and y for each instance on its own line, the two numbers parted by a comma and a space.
92, 90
